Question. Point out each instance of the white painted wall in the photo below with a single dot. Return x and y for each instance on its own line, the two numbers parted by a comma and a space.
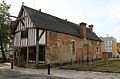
31, 40
42, 40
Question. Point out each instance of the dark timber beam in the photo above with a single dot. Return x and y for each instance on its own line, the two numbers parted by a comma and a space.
27, 52
37, 43
18, 18
41, 34
37, 46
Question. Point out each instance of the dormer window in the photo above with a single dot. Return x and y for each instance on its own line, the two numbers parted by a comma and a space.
24, 34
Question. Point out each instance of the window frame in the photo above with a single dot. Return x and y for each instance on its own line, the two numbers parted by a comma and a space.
73, 47
24, 33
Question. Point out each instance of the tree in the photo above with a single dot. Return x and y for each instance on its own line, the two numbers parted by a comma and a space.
4, 27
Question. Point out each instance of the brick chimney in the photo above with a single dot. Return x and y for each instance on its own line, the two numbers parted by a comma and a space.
39, 10
83, 29
91, 27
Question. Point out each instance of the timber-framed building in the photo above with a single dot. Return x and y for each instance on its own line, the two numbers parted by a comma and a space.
42, 38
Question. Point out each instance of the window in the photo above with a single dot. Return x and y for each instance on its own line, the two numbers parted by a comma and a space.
41, 53
73, 47
24, 34
32, 54
97, 49
106, 42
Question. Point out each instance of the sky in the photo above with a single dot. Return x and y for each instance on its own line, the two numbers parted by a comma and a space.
103, 14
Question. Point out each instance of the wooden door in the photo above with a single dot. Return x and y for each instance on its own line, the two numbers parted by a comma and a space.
41, 53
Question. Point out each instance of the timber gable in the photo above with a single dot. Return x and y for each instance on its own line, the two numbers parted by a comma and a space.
24, 24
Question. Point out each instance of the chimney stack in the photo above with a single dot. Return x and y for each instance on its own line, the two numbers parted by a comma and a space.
22, 3
39, 10
91, 28
65, 19
83, 29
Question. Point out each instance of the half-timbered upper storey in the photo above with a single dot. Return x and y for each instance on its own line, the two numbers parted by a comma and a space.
25, 33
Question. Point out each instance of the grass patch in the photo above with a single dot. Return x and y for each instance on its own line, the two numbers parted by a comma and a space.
5, 64
1, 65
99, 66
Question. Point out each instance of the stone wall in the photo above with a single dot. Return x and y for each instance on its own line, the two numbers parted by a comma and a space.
64, 48
95, 49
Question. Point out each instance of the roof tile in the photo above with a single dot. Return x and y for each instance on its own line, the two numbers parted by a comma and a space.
49, 22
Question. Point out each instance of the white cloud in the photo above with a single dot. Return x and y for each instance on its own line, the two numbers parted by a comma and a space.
115, 12
116, 29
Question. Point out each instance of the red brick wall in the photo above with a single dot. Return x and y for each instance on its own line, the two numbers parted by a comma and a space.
79, 54
91, 54
59, 48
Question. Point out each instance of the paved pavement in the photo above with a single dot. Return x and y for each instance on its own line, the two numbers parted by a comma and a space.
26, 73
8, 74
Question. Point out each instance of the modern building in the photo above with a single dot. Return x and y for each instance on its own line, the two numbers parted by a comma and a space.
110, 46
42, 38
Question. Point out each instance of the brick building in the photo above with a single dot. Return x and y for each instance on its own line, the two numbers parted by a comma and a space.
43, 38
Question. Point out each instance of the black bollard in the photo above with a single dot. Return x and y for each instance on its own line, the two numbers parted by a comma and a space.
48, 69
11, 64
79, 61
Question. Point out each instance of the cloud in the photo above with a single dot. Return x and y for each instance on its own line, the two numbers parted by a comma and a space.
115, 12
116, 29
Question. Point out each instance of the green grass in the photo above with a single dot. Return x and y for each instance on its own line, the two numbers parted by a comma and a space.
112, 66
3, 64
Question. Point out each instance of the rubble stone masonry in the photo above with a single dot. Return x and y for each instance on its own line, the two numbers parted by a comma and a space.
63, 47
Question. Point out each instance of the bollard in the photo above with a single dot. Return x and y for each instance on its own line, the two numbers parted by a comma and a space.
79, 61
60, 64
48, 69
11, 64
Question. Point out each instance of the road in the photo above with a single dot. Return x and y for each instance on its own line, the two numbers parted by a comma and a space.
27, 73
8, 74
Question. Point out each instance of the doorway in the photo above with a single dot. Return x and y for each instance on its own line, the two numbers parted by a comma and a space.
41, 54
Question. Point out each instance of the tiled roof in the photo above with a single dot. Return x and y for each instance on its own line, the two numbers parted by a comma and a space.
92, 35
49, 22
